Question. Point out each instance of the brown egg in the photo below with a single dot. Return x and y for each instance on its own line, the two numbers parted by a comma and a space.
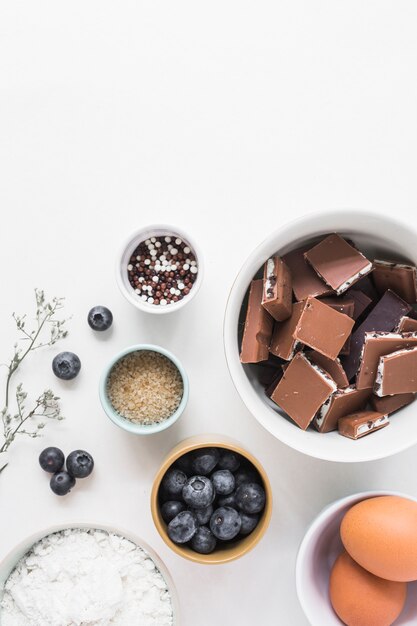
362, 599
381, 535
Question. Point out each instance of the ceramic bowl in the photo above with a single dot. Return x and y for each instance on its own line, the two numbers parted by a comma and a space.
384, 237
10, 561
235, 550
318, 551
126, 424
126, 252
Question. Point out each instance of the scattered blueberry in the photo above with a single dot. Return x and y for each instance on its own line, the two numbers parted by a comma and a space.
173, 482
227, 500
183, 527
250, 498
198, 492
62, 483
203, 515
205, 460
170, 509
223, 482
225, 523
51, 460
66, 365
246, 475
203, 541
100, 318
249, 523
228, 460
80, 464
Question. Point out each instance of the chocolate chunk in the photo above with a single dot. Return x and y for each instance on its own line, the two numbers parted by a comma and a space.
385, 316
407, 325
399, 277
322, 328
342, 402
397, 373
338, 263
274, 382
305, 281
283, 344
390, 404
360, 300
258, 327
302, 390
376, 345
333, 367
367, 287
346, 306
363, 423
277, 289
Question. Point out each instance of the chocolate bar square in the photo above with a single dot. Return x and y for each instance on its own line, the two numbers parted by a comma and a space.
258, 327
277, 293
390, 404
363, 423
397, 373
283, 344
399, 277
342, 402
375, 346
305, 281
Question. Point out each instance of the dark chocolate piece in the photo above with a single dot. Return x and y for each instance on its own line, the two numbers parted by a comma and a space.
385, 316
397, 373
377, 345
302, 390
338, 263
360, 300
305, 281
277, 293
399, 277
258, 327
363, 423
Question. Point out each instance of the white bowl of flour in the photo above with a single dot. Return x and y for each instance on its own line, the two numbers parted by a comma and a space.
85, 575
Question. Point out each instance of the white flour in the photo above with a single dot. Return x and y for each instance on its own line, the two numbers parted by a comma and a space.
86, 578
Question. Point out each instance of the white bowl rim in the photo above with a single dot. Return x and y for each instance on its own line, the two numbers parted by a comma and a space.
137, 236
127, 534
244, 389
328, 510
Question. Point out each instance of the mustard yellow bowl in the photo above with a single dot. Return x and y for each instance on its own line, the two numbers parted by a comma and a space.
230, 552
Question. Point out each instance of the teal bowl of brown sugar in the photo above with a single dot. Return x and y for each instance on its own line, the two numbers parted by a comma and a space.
144, 389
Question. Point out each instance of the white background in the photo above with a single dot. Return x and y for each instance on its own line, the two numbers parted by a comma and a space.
227, 119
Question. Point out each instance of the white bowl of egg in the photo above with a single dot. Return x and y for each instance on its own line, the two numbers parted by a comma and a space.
376, 529
377, 237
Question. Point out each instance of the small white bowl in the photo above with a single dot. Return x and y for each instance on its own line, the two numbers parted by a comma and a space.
317, 553
10, 561
127, 249
382, 236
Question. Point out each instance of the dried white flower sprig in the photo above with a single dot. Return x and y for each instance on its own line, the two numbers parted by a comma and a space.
46, 332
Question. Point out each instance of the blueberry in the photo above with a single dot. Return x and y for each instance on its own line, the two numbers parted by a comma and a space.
173, 482
203, 515
228, 460
203, 541
183, 527
246, 475
66, 365
62, 483
250, 498
170, 509
205, 460
249, 523
184, 464
80, 464
198, 492
223, 482
51, 460
227, 500
225, 523
100, 318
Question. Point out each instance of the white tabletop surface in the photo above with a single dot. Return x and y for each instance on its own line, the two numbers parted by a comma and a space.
225, 118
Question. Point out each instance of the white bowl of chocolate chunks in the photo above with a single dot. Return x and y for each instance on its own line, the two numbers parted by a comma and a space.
320, 335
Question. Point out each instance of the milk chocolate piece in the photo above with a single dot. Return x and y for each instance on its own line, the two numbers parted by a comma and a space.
302, 390
385, 316
407, 325
333, 367
277, 292
258, 327
340, 403
377, 345
322, 328
338, 263
397, 373
305, 281
363, 423
390, 404
283, 343
360, 300
346, 306
399, 277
